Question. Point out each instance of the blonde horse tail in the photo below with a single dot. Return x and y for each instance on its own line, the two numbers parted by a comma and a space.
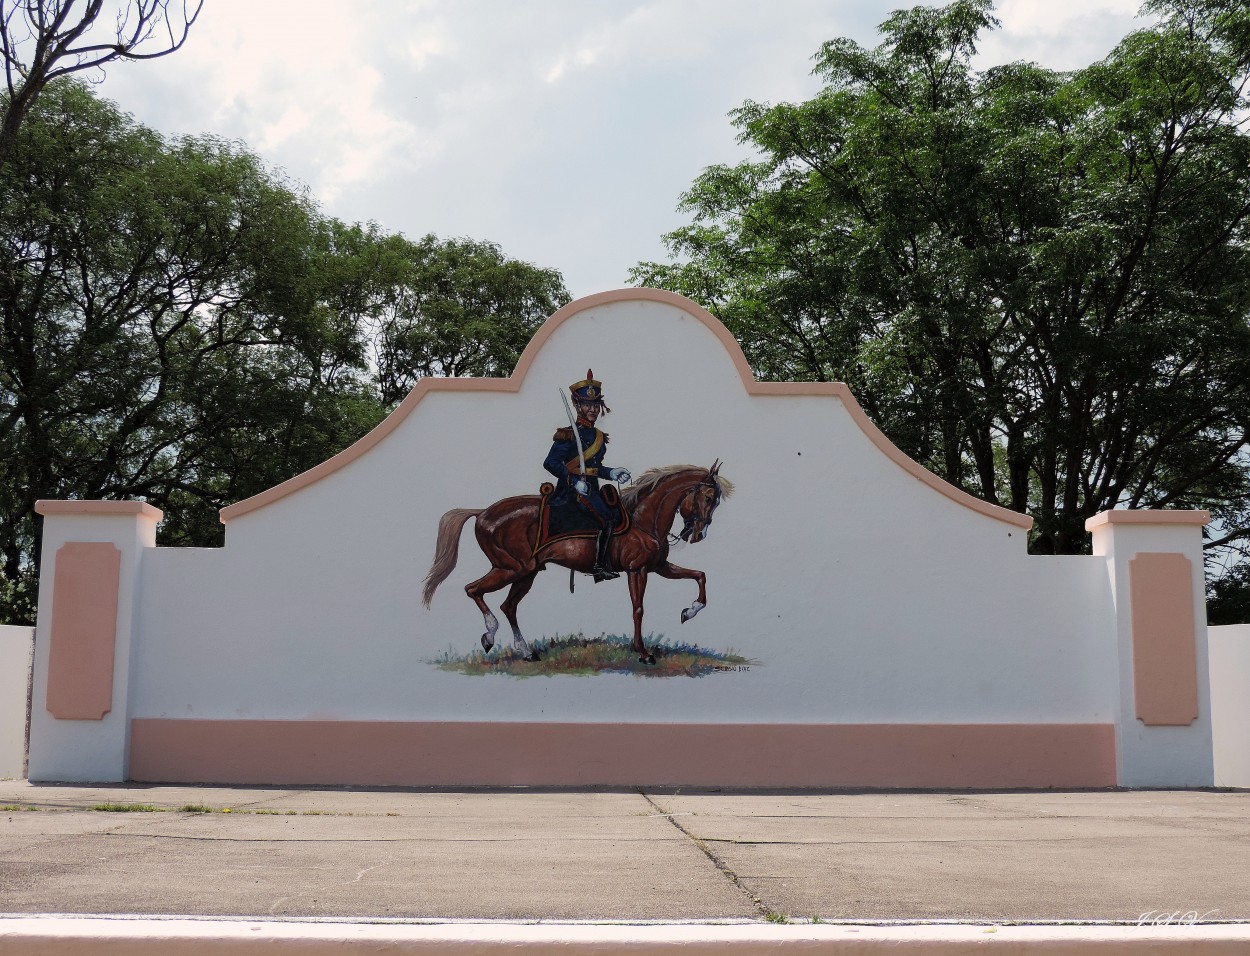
445, 552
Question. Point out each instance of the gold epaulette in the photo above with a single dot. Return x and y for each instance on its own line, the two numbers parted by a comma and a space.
563, 434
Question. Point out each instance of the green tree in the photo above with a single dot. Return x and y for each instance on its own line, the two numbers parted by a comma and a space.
180, 325
1036, 282
460, 307
446, 307
157, 301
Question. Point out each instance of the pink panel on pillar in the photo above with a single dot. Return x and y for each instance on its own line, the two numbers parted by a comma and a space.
84, 630
1165, 664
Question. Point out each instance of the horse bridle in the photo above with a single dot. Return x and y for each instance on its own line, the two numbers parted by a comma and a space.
700, 518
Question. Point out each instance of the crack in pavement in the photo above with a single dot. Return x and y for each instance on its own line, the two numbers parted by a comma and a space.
761, 907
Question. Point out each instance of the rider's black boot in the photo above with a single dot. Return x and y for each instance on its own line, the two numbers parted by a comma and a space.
603, 565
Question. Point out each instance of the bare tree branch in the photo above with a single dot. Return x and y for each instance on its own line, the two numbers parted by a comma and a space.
40, 41
1227, 539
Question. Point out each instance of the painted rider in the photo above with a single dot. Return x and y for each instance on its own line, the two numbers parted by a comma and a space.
579, 472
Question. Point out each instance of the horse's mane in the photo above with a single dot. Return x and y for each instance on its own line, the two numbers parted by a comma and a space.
646, 482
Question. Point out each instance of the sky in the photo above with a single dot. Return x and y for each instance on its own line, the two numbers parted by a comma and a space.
563, 130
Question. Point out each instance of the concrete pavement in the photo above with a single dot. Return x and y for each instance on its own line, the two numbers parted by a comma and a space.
706, 857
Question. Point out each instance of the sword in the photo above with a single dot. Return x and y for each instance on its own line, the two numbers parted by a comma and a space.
577, 436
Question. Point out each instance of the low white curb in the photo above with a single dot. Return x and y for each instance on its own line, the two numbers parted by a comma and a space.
100, 936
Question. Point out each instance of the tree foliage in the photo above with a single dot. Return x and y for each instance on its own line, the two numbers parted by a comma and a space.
180, 325
452, 308
1037, 283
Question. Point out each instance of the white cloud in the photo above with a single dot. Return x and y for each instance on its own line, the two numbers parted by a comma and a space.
423, 49
562, 129
587, 56
1060, 34
1055, 18
294, 121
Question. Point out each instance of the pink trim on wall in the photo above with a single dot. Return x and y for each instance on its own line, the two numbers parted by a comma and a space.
1165, 663
513, 384
385, 753
1147, 517
49, 507
84, 630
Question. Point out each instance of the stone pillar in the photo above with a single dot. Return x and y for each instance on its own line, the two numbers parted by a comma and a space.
1163, 724
89, 578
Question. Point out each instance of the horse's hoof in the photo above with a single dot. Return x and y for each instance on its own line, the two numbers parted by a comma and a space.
487, 643
686, 615
533, 656
646, 659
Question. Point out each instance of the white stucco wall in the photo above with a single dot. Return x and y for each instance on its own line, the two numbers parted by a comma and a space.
1230, 703
863, 594
16, 644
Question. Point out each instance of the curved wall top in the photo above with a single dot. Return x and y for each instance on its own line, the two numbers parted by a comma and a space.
513, 384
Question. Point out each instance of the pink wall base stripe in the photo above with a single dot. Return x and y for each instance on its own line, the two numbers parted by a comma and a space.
386, 753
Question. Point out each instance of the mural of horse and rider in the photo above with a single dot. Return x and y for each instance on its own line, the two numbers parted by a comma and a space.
584, 523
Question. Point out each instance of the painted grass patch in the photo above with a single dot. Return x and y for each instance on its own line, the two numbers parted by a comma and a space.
576, 655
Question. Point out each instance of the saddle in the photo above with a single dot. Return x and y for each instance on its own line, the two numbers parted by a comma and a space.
570, 520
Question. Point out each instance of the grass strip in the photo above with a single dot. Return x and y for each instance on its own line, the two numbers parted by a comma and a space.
126, 808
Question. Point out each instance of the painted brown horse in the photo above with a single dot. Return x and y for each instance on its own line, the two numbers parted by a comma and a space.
506, 532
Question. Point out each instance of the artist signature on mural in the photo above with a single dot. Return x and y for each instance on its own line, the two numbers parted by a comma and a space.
731, 667
1173, 917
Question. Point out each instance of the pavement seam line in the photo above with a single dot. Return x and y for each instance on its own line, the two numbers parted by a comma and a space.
762, 907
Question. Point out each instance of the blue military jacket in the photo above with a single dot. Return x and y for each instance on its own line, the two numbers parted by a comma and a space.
562, 462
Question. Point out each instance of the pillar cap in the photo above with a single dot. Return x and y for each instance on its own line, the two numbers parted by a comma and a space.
106, 508
1133, 516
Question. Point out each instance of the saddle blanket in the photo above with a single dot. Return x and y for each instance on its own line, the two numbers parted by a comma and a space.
571, 520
